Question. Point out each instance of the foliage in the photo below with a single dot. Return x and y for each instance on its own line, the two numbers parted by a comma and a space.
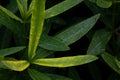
32, 39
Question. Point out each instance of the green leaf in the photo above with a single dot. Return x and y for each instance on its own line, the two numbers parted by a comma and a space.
61, 7
9, 51
16, 65
65, 61
22, 5
9, 23
10, 14
36, 75
99, 42
73, 74
58, 77
42, 53
110, 60
117, 62
38, 9
50, 43
75, 32
104, 3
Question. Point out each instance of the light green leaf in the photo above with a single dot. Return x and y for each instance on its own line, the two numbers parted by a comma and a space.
104, 3
36, 75
75, 32
10, 14
38, 9
9, 51
61, 7
117, 62
50, 43
16, 65
65, 61
99, 42
110, 60
58, 77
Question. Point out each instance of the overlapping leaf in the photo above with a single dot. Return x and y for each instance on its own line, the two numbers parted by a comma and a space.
65, 61
50, 43
61, 7
36, 75
75, 32
9, 51
99, 42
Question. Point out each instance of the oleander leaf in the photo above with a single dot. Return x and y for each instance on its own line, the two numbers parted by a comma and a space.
9, 51
37, 20
99, 42
65, 61
10, 14
75, 32
53, 44
36, 75
16, 65
61, 7
110, 60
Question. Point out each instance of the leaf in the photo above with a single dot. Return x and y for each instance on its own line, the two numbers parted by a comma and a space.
9, 23
50, 43
61, 7
16, 65
9, 51
36, 75
75, 32
42, 53
110, 60
99, 42
65, 61
38, 9
73, 74
104, 3
22, 5
10, 14
117, 62
58, 77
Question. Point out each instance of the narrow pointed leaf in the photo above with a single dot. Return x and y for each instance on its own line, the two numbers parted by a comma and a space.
65, 61
50, 43
16, 65
110, 60
75, 32
99, 42
10, 14
9, 51
22, 5
42, 53
38, 9
9, 23
61, 7
36, 75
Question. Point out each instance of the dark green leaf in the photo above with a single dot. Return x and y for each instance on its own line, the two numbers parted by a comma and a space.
75, 32
58, 77
10, 14
9, 51
110, 60
50, 43
99, 42
36, 75
61, 7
